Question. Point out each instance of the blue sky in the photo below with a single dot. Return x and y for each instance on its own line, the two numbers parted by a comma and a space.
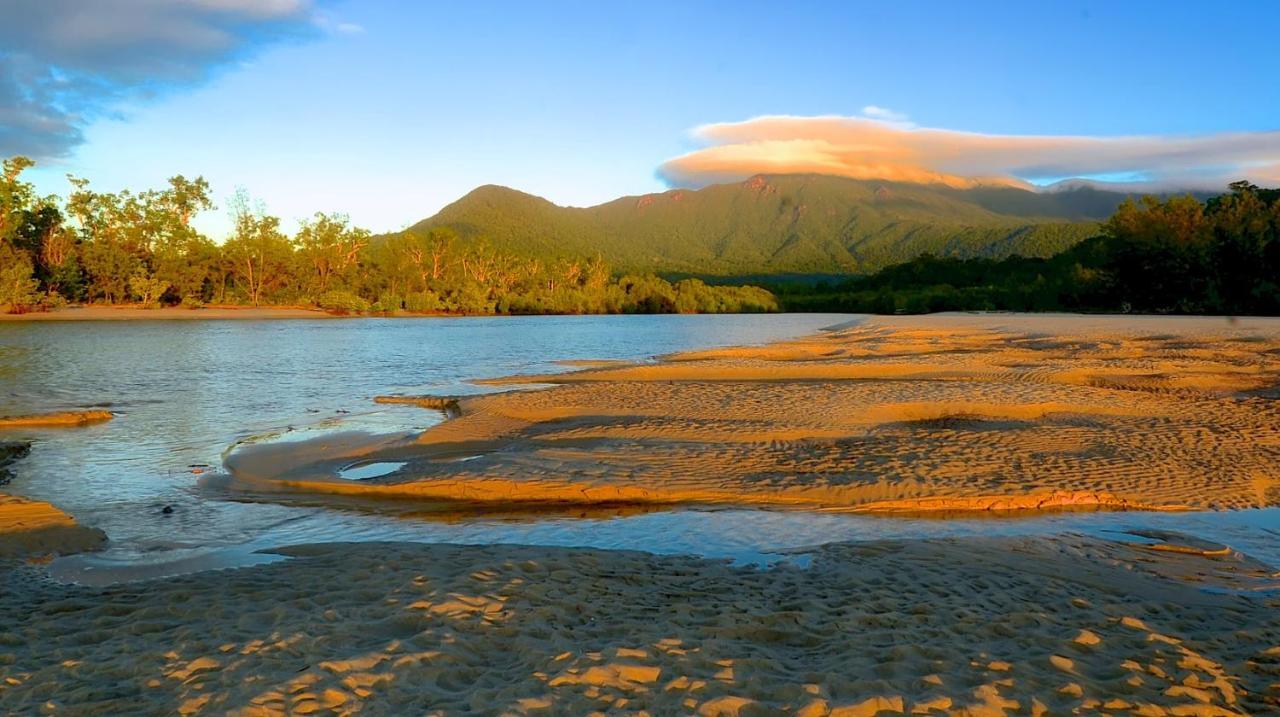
387, 111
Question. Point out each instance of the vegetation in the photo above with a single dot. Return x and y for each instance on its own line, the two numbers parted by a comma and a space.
784, 224
1177, 255
500, 251
125, 247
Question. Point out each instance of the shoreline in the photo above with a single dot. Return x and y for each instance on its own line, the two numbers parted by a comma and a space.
225, 312
1157, 623
171, 313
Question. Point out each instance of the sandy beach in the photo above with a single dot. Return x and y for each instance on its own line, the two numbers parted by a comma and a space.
960, 627
949, 412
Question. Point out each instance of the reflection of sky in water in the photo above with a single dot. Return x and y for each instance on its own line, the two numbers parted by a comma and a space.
186, 391
754, 537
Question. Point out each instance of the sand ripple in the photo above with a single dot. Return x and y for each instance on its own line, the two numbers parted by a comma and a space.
974, 626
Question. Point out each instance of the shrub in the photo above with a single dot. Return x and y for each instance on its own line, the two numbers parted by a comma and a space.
17, 284
422, 302
342, 302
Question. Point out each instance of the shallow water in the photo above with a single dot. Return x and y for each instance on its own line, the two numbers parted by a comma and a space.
185, 392
365, 471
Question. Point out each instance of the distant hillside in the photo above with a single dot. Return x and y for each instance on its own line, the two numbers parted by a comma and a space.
783, 223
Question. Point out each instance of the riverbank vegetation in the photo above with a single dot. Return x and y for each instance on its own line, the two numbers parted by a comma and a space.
1178, 255
1172, 255
141, 248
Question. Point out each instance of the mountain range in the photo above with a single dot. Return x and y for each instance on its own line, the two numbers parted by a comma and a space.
777, 224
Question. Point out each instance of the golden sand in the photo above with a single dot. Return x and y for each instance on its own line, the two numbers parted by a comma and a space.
944, 627
33, 527
60, 418
898, 413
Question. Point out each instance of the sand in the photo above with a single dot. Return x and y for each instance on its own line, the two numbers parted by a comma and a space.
959, 627
33, 527
56, 419
949, 412
138, 313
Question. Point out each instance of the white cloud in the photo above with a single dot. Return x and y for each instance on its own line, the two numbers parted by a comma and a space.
64, 62
884, 114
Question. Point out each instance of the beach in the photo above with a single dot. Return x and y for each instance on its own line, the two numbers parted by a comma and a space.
972, 627
889, 416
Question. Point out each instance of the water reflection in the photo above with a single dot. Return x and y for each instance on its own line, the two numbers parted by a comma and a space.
184, 392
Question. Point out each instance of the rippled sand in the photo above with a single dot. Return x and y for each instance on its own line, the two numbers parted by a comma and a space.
898, 413
974, 626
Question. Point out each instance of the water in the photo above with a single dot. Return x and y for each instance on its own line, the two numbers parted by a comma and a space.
364, 471
184, 392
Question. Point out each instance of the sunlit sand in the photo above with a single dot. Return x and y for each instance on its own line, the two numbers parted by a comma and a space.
962, 627
55, 419
931, 413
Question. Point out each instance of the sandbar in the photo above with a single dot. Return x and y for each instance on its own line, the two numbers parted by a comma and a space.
894, 414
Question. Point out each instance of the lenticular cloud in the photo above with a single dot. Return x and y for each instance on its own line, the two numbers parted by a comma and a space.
873, 147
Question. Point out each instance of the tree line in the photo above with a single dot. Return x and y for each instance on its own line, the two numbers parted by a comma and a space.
141, 248
1178, 255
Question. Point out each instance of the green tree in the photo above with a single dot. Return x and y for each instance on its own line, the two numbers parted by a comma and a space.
259, 257
18, 285
329, 248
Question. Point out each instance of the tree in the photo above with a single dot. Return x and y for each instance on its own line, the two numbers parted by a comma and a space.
18, 284
330, 249
258, 255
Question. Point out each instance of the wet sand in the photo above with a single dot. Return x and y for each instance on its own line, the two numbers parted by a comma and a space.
950, 412
33, 527
960, 627
56, 419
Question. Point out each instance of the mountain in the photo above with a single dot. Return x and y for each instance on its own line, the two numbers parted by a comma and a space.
783, 224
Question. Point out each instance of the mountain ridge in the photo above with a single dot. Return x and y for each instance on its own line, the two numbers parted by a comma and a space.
782, 223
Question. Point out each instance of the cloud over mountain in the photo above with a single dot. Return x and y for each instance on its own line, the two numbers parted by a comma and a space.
65, 62
883, 145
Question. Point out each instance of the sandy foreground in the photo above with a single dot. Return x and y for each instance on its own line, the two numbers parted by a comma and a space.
964, 627
894, 414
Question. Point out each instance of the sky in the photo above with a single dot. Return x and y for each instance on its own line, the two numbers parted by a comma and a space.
387, 111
